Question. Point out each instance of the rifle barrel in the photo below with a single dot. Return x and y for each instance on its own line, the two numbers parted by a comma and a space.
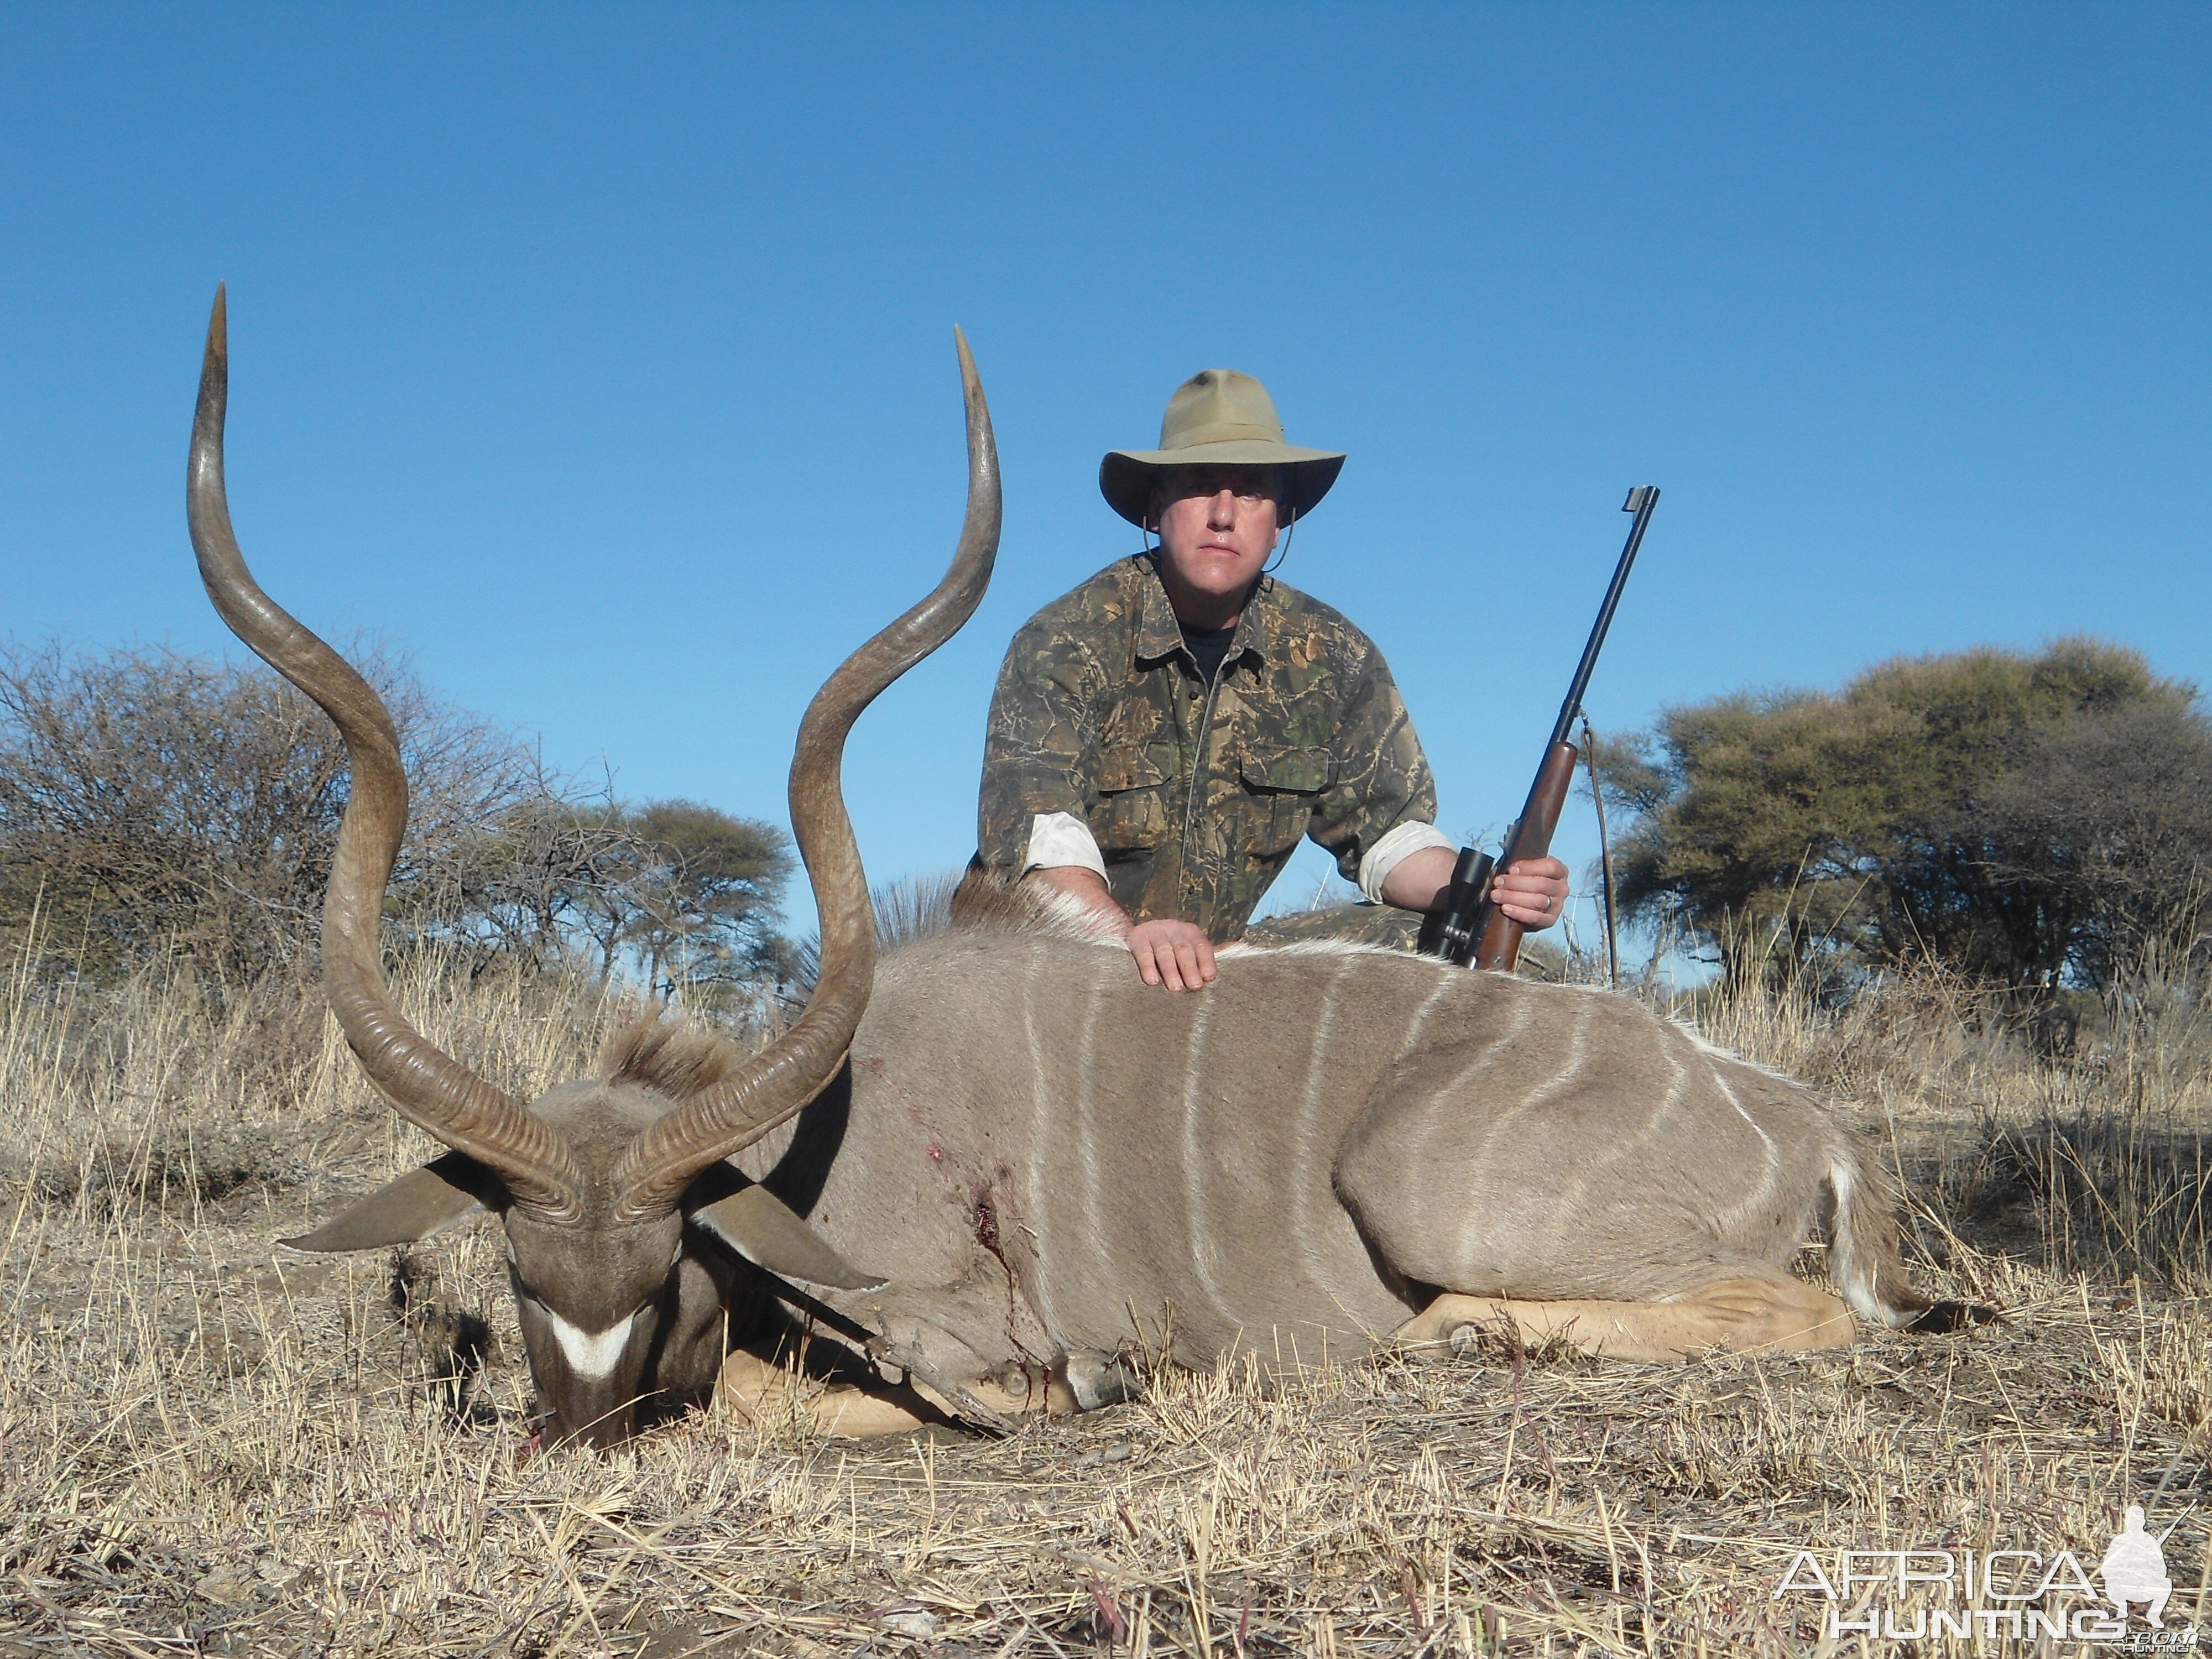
1463, 925
1640, 501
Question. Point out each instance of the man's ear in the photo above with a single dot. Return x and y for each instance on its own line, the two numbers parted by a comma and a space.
423, 1201
760, 1227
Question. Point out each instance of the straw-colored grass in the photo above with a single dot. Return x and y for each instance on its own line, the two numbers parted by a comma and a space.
211, 1445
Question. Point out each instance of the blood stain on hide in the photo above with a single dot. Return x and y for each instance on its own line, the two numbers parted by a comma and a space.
986, 1219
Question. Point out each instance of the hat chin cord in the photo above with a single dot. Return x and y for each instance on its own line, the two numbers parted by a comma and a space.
1288, 530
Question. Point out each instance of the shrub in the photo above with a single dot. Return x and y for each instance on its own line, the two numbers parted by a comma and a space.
159, 807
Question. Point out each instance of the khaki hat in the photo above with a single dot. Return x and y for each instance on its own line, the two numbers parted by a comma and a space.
1217, 417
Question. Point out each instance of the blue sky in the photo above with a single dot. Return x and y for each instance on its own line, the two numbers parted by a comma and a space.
601, 358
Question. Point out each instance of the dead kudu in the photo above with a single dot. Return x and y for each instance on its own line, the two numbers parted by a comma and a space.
1038, 1154
609, 1191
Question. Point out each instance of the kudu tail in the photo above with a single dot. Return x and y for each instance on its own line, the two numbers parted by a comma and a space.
1865, 1259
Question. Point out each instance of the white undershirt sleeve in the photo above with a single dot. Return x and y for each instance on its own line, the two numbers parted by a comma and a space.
1060, 840
1386, 855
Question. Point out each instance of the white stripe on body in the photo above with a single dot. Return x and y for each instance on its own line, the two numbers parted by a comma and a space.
1560, 1216
1204, 1255
591, 1354
1303, 1131
1086, 1135
1638, 1145
1448, 977
1736, 1212
1038, 1224
1521, 1017
1473, 1219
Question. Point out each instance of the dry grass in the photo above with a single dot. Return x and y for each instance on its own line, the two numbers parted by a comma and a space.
209, 1446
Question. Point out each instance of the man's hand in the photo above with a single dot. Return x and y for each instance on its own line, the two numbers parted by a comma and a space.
1534, 892
1176, 954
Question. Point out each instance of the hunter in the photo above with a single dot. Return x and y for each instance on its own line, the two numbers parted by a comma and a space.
1161, 738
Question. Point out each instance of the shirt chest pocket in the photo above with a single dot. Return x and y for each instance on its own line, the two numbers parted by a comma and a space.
1132, 814
1284, 787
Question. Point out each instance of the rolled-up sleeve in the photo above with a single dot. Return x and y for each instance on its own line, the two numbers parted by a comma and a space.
1061, 840
1396, 846
1383, 780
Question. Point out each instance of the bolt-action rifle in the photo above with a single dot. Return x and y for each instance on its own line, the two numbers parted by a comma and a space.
1465, 927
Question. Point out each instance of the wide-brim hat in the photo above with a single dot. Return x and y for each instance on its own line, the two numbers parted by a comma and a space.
1217, 417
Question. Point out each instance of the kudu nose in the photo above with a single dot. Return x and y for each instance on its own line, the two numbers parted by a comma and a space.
609, 1428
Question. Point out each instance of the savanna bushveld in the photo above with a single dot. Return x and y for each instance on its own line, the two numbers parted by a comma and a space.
1961, 901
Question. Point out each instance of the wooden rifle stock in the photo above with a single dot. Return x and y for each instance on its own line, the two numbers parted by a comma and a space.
1465, 927
1497, 935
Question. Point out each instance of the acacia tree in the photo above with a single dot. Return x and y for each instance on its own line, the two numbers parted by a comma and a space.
2109, 820
707, 896
2033, 821
156, 804
681, 893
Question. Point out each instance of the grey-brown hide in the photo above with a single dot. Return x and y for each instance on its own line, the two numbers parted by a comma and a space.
1294, 1159
609, 1189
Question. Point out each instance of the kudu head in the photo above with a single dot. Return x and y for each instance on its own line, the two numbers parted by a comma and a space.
596, 1181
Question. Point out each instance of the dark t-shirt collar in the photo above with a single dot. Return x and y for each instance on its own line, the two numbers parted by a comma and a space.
1207, 647
1159, 630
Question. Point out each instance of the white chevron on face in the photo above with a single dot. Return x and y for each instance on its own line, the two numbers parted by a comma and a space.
591, 1354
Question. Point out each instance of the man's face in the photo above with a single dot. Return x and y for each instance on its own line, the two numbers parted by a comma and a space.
1217, 525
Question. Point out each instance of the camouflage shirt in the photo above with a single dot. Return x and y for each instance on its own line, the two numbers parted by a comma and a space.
1197, 795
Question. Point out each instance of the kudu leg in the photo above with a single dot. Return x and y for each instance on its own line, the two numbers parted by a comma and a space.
1753, 1315
762, 1391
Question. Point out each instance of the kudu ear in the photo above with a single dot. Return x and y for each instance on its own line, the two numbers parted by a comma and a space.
421, 1202
760, 1227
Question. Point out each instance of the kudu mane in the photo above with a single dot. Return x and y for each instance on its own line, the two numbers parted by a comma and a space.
676, 1056
675, 1059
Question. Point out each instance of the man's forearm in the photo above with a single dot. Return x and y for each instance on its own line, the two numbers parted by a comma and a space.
1089, 889
1534, 892
1420, 878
